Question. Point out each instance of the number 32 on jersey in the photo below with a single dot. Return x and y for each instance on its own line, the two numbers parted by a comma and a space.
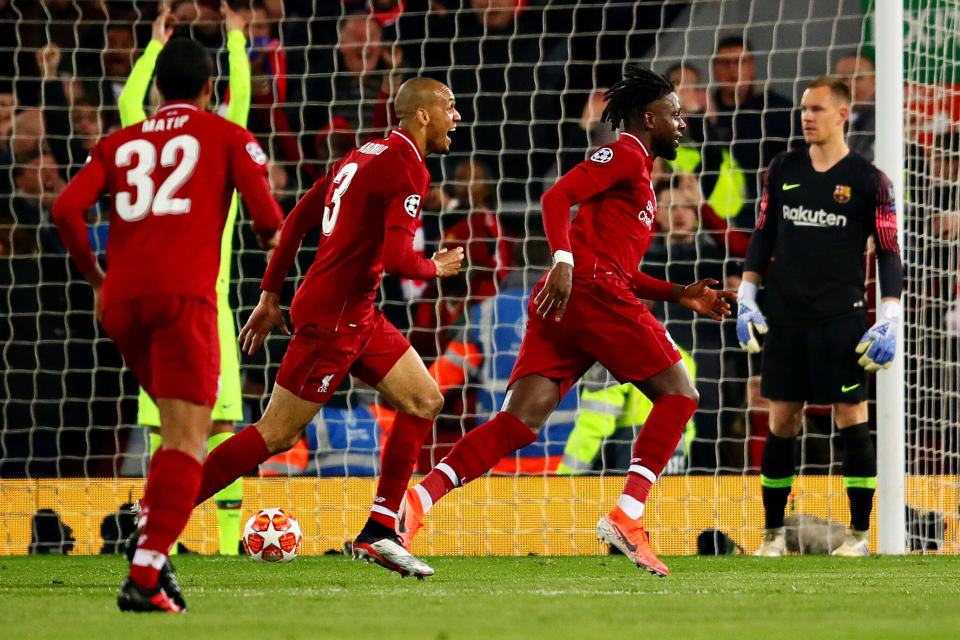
135, 206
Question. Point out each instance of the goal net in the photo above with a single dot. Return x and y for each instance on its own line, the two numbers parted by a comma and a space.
528, 76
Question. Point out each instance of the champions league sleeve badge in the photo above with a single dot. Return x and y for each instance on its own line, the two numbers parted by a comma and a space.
603, 155
411, 205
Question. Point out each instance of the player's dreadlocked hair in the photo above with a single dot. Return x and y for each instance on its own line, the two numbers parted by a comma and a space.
638, 88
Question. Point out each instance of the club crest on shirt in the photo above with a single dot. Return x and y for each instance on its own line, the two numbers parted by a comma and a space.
647, 215
412, 204
841, 194
603, 155
256, 153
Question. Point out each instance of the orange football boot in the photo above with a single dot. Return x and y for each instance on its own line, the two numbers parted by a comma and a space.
409, 517
629, 536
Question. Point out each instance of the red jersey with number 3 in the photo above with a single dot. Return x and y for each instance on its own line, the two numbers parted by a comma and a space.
170, 179
367, 207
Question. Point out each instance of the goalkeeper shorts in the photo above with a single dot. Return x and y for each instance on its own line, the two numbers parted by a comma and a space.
170, 344
814, 363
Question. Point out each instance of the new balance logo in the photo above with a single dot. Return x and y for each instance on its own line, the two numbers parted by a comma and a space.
325, 383
803, 217
788, 187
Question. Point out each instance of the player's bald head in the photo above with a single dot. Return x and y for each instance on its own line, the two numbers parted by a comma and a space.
419, 93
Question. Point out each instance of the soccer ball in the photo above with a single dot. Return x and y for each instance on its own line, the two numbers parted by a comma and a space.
273, 535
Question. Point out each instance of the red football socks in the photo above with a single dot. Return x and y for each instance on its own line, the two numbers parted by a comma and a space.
656, 443
396, 465
237, 456
169, 499
476, 453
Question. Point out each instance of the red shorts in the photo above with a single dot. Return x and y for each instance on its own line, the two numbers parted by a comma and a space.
318, 358
601, 324
170, 344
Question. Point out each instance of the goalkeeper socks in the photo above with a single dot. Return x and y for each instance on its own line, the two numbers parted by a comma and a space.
229, 502
777, 468
234, 458
228, 520
396, 466
169, 496
474, 455
859, 473
653, 449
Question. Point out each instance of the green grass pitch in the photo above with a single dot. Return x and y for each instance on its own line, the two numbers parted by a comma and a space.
492, 598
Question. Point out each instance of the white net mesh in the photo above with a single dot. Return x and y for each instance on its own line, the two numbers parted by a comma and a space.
526, 76
932, 142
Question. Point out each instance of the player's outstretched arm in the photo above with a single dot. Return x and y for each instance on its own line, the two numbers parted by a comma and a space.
713, 303
266, 315
238, 110
130, 101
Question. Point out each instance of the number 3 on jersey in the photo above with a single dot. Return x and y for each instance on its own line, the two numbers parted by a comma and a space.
332, 209
132, 208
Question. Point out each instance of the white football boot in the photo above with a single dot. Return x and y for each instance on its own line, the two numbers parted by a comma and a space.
774, 544
856, 544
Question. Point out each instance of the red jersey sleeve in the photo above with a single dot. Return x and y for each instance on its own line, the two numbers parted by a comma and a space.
601, 171
400, 221
306, 215
73, 202
248, 169
651, 288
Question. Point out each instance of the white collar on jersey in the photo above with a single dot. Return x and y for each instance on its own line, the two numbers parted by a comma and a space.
406, 136
178, 105
630, 135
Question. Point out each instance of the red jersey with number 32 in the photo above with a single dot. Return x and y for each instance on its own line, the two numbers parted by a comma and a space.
613, 228
170, 179
367, 208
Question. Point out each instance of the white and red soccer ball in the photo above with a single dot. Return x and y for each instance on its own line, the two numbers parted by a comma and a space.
272, 535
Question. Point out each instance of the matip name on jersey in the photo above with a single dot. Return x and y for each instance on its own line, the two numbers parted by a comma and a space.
164, 124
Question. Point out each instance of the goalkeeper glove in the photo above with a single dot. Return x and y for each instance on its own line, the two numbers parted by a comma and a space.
749, 318
879, 343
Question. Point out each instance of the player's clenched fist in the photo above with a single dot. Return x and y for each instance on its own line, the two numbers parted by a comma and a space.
448, 262
261, 322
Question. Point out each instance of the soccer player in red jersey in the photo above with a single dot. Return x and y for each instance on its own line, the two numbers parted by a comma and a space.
589, 309
367, 207
170, 179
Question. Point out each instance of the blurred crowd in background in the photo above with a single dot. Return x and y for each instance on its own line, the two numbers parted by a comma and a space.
529, 77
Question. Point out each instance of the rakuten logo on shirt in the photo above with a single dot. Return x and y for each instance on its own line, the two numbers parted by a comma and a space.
803, 217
